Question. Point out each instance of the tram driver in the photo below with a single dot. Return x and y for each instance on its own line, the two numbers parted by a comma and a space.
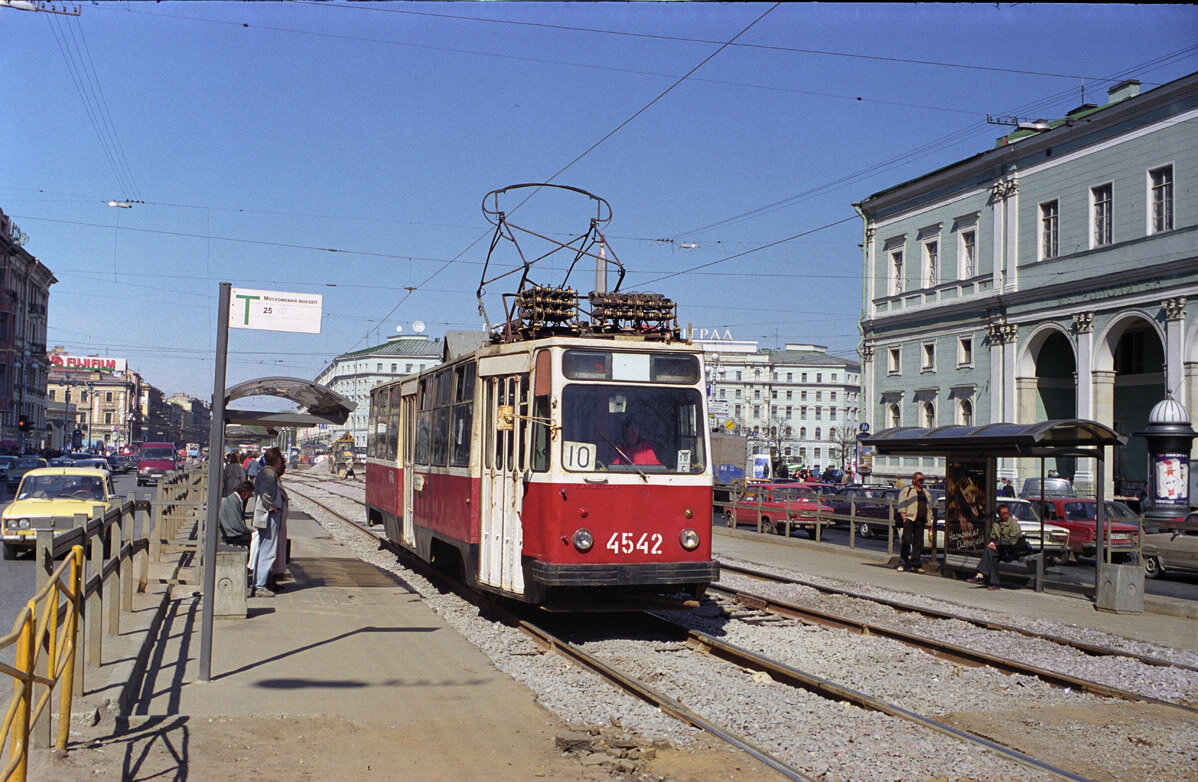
634, 449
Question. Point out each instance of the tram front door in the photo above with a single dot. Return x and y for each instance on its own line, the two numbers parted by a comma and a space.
505, 456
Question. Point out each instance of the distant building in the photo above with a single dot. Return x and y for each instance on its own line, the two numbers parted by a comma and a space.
24, 300
1046, 278
353, 375
798, 404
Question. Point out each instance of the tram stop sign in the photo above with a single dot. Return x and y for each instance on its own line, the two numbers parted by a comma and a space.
275, 310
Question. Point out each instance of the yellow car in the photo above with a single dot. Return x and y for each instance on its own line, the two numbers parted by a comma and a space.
48, 493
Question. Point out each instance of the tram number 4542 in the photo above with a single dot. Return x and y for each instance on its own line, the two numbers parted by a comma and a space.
628, 542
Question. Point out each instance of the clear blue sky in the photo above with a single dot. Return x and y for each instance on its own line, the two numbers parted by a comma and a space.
257, 137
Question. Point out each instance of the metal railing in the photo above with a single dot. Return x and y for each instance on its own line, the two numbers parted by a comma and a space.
804, 513
106, 563
38, 627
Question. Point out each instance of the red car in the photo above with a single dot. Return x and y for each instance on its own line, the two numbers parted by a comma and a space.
777, 502
1079, 516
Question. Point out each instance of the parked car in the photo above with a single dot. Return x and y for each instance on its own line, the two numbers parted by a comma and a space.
47, 493
22, 465
777, 503
1056, 538
1080, 516
1053, 487
870, 502
6, 461
1172, 549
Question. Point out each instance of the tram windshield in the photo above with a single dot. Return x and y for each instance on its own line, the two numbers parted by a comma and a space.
632, 429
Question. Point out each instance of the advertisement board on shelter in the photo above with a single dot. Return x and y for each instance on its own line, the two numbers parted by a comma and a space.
965, 522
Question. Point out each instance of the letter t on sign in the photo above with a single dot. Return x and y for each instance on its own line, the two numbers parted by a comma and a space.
247, 299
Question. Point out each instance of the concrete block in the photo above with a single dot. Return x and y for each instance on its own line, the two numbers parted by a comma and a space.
231, 588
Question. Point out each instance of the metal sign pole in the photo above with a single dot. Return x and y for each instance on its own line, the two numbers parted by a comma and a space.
216, 437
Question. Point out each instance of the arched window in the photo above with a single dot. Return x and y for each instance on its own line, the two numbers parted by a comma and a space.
929, 415
832, 434
817, 430
802, 433
895, 416
965, 413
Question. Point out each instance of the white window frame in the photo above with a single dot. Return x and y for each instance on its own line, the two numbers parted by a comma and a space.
1102, 220
930, 276
894, 360
927, 356
927, 414
964, 359
1042, 233
959, 413
1168, 220
896, 274
967, 265
894, 415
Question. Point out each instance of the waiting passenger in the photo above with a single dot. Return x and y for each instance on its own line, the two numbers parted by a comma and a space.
1005, 535
232, 515
634, 449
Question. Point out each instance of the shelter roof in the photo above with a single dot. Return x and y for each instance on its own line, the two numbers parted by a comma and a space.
321, 405
1043, 438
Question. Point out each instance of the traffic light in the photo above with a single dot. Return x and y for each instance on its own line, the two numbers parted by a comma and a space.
23, 424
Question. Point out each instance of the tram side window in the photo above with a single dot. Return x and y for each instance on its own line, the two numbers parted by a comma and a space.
440, 437
372, 437
461, 430
424, 426
392, 437
540, 433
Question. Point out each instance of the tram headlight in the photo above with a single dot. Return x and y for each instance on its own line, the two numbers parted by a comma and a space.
584, 541
689, 539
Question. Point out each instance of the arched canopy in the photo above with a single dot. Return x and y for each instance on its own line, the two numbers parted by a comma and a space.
1044, 438
320, 404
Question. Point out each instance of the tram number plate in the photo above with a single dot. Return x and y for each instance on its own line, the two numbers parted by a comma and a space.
579, 456
628, 542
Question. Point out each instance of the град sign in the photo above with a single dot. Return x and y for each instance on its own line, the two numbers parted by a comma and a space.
274, 310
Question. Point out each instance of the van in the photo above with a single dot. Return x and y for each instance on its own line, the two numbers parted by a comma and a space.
154, 461
1053, 487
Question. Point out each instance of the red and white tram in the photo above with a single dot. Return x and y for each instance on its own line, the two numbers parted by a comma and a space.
557, 470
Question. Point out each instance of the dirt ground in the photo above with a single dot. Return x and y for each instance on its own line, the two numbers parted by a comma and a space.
298, 750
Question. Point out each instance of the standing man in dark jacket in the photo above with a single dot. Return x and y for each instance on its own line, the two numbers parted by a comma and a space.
915, 510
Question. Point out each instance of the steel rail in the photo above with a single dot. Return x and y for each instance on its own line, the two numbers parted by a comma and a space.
550, 642
1082, 646
941, 649
818, 685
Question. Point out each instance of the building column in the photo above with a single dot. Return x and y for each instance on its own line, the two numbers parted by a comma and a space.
1001, 336
1025, 391
1191, 381
1104, 413
1175, 314
1083, 327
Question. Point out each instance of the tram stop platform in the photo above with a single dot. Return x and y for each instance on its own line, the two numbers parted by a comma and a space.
344, 675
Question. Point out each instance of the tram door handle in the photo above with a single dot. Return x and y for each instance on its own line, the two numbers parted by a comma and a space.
594, 480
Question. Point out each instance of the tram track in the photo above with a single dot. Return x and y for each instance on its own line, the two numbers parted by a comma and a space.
740, 657
933, 613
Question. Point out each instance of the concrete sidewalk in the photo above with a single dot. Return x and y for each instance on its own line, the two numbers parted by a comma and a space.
345, 675
1173, 625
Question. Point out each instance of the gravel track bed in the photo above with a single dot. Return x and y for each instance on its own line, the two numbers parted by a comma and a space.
1125, 673
830, 740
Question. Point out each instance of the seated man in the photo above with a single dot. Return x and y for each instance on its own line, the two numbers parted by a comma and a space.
634, 449
231, 516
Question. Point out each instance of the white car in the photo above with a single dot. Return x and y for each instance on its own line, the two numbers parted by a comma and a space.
1056, 538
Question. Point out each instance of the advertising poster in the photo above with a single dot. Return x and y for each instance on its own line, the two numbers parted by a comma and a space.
965, 507
1169, 482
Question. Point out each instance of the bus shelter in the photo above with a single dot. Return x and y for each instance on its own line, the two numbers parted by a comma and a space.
971, 456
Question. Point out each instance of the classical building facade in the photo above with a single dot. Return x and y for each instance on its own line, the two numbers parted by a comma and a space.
1047, 278
799, 404
353, 375
24, 300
